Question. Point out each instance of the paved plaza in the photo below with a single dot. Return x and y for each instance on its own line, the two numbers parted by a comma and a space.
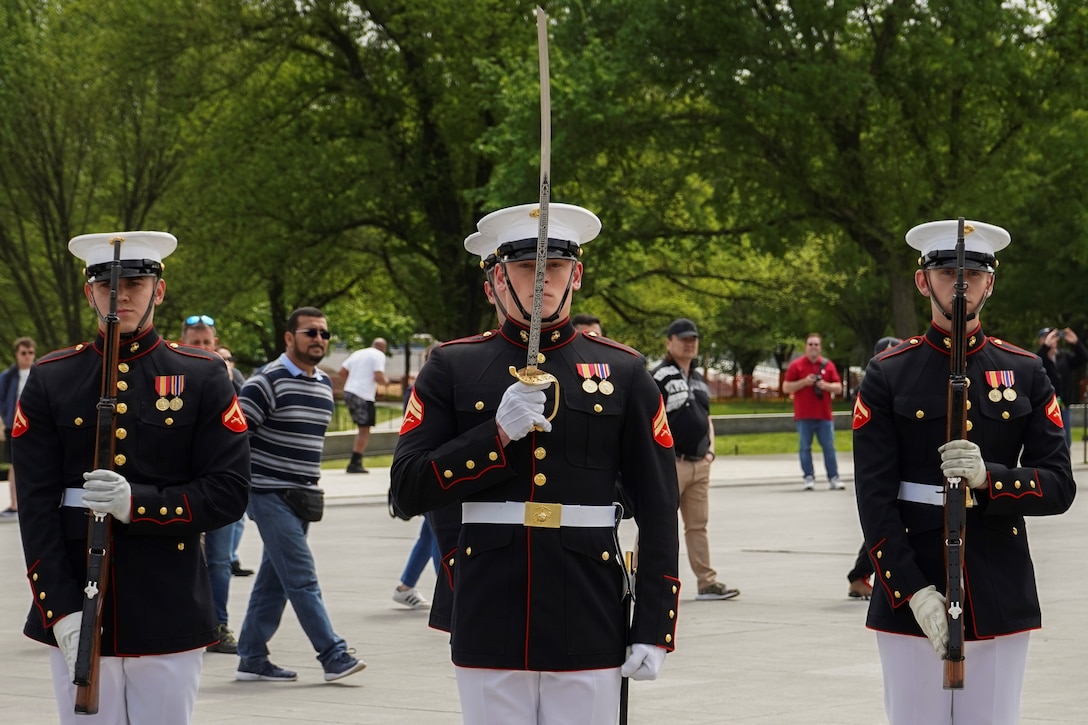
791, 649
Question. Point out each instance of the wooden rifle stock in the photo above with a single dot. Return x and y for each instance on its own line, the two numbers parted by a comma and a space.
955, 488
88, 657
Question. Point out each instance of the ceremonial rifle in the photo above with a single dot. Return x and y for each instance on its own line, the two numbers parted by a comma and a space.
955, 487
89, 653
531, 374
628, 599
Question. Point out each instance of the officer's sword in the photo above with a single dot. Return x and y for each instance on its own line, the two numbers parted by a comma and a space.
531, 374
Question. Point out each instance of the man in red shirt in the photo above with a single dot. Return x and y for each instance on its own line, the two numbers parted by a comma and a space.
812, 380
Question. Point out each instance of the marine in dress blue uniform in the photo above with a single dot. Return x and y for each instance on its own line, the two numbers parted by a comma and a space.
180, 445
536, 578
1021, 468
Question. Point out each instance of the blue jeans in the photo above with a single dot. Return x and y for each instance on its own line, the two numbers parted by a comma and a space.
426, 547
825, 434
217, 550
236, 530
287, 573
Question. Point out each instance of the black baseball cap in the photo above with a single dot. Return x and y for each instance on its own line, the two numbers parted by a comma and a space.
683, 328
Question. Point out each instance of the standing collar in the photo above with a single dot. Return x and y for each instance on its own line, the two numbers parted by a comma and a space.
942, 340
131, 347
550, 337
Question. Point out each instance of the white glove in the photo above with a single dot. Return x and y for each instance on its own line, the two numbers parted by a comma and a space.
108, 492
929, 609
964, 459
66, 630
521, 408
644, 662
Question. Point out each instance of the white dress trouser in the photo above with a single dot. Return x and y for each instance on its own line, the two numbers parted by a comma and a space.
914, 681
520, 697
150, 690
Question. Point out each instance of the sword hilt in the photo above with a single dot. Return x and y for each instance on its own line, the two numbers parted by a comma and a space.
535, 376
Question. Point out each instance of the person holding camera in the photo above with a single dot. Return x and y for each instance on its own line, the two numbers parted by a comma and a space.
1059, 366
812, 380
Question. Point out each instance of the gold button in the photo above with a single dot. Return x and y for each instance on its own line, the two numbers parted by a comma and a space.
604, 556
179, 510
489, 333
78, 421
919, 414
880, 554
181, 546
447, 473
1032, 484
120, 459
468, 551
122, 408
597, 408
120, 433
41, 596
1005, 415
163, 511
450, 562
674, 589
539, 453
999, 485
897, 594
668, 638
1016, 484
49, 614
672, 614
479, 405
968, 405
174, 345
493, 456
141, 510
169, 421
1014, 531
79, 347
123, 367
888, 574
34, 577
470, 465
540, 479
122, 385
970, 425
540, 358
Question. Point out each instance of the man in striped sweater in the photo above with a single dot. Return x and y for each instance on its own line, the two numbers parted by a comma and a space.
288, 405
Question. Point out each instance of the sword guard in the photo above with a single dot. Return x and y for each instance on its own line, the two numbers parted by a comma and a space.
535, 376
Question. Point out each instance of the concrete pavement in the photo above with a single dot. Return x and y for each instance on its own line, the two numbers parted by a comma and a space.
790, 649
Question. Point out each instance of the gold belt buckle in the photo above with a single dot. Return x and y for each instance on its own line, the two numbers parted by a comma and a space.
543, 515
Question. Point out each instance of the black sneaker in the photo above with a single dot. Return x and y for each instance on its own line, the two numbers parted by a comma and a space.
237, 570
342, 665
263, 670
227, 644
356, 468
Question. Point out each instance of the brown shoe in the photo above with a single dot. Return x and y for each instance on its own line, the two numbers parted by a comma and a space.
860, 589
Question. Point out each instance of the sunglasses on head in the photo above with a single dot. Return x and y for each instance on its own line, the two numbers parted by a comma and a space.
195, 319
314, 332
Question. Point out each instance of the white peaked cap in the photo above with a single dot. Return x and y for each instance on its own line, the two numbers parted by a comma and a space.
979, 238
95, 249
566, 222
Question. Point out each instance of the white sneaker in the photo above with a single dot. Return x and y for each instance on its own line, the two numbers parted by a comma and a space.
410, 598
835, 484
810, 483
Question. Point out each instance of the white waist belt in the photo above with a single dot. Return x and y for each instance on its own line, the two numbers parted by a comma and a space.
927, 493
73, 498
529, 513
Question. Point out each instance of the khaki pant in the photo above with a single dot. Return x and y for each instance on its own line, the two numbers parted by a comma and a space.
694, 480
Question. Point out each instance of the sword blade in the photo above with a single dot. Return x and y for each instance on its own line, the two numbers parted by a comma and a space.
533, 350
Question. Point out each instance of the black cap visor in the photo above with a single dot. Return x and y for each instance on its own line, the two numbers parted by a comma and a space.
944, 258
129, 268
524, 249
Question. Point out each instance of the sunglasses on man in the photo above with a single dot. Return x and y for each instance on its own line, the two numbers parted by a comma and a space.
198, 319
314, 332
